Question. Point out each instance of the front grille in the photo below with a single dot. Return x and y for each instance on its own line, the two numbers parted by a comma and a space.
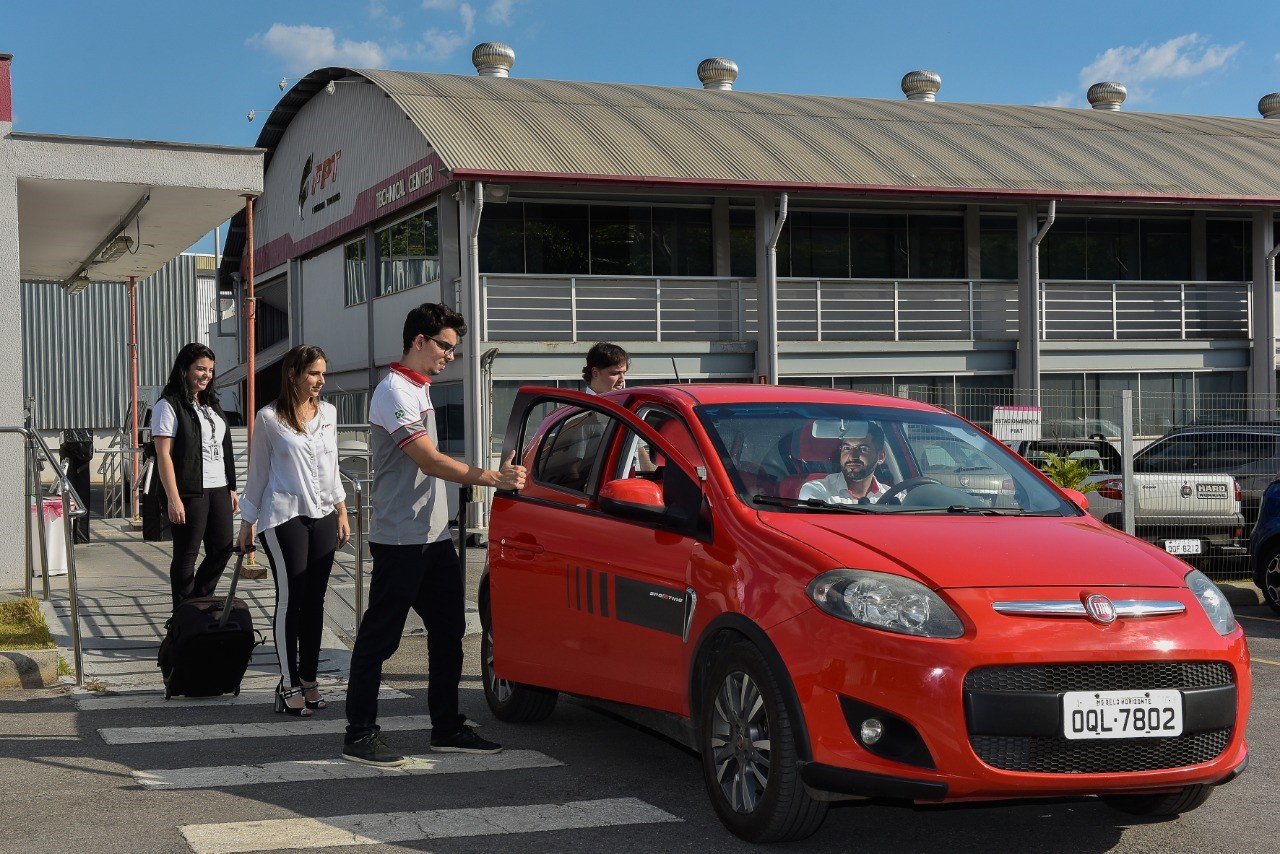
1062, 756
1057, 755
1100, 677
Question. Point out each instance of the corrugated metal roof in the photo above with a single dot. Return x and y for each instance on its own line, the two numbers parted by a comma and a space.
636, 133
75, 349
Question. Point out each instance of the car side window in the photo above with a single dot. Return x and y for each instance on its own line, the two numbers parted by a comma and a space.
570, 452
1178, 454
639, 460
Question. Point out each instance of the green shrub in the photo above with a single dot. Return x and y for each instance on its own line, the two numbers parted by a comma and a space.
1070, 473
22, 626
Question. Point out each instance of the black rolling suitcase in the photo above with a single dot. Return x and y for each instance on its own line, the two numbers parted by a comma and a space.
208, 644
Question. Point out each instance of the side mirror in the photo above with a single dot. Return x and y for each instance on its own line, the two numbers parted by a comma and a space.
634, 498
1077, 498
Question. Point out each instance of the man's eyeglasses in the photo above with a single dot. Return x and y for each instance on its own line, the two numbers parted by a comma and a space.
445, 348
860, 450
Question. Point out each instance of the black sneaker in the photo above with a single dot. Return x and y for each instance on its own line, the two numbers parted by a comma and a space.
464, 740
372, 750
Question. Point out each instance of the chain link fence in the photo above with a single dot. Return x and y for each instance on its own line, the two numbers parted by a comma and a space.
1183, 471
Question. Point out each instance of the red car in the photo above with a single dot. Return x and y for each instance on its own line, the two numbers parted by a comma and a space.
771, 575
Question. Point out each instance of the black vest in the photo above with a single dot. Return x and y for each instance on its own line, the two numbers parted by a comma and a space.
188, 462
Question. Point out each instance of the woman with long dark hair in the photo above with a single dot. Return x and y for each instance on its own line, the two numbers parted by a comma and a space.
294, 498
194, 461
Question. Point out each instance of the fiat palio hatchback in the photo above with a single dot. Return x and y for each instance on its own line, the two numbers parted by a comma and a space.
770, 575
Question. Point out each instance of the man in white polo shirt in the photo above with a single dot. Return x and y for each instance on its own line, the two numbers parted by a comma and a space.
414, 562
855, 482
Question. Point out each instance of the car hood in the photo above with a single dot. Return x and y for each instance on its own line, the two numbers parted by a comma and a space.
986, 551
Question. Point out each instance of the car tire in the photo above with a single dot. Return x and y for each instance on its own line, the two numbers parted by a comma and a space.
749, 760
510, 701
1268, 577
1160, 806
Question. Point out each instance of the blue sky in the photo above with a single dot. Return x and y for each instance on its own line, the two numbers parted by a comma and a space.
180, 71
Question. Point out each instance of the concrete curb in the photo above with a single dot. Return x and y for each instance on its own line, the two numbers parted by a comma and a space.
29, 668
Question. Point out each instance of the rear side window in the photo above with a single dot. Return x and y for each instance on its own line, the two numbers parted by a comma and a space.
571, 452
1178, 454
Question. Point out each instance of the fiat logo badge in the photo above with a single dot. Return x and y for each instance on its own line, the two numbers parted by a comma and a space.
1100, 609
1186, 491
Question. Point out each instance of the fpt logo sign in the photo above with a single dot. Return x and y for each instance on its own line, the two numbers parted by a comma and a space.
317, 188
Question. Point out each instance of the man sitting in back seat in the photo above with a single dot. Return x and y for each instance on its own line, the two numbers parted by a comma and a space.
855, 482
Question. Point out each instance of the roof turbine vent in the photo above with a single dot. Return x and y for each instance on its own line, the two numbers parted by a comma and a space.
493, 59
1107, 95
1269, 106
717, 72
921, 85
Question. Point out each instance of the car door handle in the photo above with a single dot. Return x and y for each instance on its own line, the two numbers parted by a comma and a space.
521, 545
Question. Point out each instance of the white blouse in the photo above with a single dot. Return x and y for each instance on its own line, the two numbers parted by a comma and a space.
164, 422
291, 473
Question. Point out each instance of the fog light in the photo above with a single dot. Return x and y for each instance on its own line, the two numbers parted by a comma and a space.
871, 730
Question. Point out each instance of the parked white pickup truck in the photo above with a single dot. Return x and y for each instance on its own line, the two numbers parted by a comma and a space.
1194, 516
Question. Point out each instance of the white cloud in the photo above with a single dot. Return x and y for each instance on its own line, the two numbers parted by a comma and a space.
378, 12
499, 11
304, 48
1184, 56
1065, 99
468, 15
439, 5
439, 45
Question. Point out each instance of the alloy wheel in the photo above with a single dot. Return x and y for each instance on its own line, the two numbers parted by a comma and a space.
740, 742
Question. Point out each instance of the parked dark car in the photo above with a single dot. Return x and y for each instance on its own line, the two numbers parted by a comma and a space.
1249, 452
1264, 551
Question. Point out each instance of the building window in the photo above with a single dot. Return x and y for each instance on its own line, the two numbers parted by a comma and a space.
603, 240
352, 406
1228, 250
742, 243
408, 253
999, 247
354, 255
1117, 249
451, 429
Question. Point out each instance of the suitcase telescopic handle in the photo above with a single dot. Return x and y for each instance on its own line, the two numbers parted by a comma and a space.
231, 594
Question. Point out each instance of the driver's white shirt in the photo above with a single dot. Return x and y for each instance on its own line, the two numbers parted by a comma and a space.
834, 489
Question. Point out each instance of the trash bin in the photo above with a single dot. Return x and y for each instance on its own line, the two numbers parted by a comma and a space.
76, 452
155, 505
49, 515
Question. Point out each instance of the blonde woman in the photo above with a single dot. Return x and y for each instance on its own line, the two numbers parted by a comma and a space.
294, 499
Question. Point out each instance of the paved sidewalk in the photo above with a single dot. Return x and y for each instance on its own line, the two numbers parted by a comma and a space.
124, 600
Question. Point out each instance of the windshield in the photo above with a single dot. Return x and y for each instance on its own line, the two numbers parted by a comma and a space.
867, 459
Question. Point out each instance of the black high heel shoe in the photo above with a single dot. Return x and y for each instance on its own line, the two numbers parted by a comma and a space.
282, 706
318, 702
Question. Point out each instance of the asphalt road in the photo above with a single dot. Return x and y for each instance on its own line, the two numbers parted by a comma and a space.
67, 789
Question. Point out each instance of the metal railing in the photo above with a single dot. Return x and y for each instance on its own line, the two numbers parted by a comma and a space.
685, 308
73, 507
357, 492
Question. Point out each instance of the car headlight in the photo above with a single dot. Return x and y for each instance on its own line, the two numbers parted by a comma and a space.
880, 600
1214, 603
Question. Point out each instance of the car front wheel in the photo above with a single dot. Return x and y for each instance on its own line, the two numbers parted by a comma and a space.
749, 759
1269, 578
510, 701
1160, 806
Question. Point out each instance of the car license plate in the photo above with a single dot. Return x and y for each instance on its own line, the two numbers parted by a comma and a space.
1182, 547
1121, 714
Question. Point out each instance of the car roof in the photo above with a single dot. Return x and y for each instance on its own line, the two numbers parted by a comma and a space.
1247, 427
707, 393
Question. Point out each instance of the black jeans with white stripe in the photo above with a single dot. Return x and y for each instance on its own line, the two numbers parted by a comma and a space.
428, 579
300, 551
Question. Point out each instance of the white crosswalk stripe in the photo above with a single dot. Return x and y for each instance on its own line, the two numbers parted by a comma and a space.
374, 828
283, 728
218, 776
248, 697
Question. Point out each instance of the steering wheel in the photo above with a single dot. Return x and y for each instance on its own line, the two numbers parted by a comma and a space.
899, 490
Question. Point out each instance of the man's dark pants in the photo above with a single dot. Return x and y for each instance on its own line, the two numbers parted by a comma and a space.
426, 578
